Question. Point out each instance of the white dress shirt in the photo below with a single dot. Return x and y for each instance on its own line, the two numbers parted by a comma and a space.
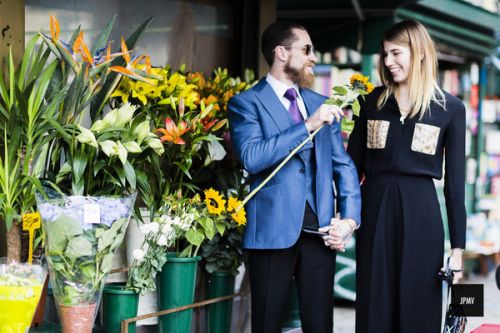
280, 89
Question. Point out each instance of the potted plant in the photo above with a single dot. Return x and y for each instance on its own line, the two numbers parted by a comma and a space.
173, 106
193, 222
27, 104
84, 230
98, 166
222, 256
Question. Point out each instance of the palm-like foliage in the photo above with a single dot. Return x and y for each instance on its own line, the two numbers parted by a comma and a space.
25, 114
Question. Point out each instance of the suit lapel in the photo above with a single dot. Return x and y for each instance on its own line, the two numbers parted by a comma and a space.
273, 106
312, 102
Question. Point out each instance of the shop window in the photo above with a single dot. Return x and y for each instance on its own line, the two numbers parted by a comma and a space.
201, 34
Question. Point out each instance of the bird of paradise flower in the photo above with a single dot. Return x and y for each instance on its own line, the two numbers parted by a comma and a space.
94, 69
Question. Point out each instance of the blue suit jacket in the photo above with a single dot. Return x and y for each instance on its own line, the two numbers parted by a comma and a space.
263, 134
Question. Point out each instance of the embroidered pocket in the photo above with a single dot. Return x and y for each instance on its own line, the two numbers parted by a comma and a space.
425, 139
377, 134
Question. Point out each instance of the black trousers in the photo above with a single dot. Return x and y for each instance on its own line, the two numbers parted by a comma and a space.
271, 272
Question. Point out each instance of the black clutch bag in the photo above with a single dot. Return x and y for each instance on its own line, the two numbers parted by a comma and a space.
455, 319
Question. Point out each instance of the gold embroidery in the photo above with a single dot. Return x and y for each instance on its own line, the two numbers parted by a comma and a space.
425, 139
377, 134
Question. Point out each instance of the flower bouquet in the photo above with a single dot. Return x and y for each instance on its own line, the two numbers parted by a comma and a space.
82, 236
20, 289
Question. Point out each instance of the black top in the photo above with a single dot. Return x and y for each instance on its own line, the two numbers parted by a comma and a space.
381, 144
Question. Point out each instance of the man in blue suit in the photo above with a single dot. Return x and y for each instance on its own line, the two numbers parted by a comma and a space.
267, 122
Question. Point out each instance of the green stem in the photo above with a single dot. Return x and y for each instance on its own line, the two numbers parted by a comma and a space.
278, 168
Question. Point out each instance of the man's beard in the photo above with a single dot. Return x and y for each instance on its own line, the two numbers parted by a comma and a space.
300, 76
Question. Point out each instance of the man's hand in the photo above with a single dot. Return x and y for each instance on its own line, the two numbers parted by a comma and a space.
324, 114
340, 231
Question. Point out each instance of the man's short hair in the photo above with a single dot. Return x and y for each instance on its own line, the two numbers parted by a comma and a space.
278, 33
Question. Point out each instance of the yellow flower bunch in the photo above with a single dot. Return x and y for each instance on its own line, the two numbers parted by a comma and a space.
361, 82
347, 95
164, 92
216, 205
217, 90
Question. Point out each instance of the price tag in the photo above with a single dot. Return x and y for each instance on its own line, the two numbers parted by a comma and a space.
92, 213
31, 222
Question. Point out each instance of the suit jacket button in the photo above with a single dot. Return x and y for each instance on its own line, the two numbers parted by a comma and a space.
302, 171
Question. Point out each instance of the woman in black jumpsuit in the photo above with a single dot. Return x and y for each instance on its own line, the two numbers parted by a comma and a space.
398, 145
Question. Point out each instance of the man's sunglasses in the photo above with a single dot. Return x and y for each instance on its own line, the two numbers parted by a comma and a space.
308, 48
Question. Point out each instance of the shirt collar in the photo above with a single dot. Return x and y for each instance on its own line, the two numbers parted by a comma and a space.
279, 87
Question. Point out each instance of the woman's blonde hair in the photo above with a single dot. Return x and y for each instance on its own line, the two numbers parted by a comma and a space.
422, 78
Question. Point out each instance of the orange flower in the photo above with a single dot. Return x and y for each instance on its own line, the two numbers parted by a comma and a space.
172, 132
125, 51
78, 42
211, 99
54, 28
207, 123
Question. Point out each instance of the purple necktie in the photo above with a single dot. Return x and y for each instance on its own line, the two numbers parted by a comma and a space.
291, 95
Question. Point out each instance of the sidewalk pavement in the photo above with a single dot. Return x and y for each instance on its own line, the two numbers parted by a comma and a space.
344, 314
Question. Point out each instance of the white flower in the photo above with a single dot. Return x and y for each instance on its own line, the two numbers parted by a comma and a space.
216, 152
142, 131
138, 254
155, 144
176, 220
132, 147
154, 227
121, 152
162, 240
109, 147
166, 229
125, 114
86, 136
145, 228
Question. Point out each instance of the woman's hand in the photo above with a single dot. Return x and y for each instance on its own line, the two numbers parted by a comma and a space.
455, 265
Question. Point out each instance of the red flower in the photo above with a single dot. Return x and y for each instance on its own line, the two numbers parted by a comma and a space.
172, 132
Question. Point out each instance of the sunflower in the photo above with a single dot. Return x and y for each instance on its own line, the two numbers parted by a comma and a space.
232, 204
361, 82
240, 217
214, 201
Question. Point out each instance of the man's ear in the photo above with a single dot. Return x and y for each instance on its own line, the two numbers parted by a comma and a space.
281, 53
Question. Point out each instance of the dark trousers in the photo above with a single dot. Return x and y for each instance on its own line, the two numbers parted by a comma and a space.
271, 272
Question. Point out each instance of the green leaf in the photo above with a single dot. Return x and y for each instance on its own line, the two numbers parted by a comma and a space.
130, 174
79, 164
346, 125
107, 262
194, 237
221, 228
356, 107
78, 247
105, 239
340, 90
104, 35
88, 271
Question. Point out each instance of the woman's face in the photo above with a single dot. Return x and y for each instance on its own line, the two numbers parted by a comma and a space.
397, 59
